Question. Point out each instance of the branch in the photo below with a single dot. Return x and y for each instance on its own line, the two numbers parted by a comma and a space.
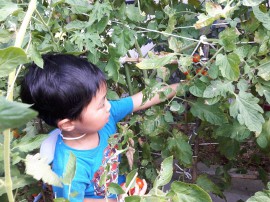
11, 77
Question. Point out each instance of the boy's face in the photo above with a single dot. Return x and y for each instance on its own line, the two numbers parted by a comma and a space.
95, 115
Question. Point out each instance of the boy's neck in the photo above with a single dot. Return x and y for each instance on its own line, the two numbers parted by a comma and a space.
89, 141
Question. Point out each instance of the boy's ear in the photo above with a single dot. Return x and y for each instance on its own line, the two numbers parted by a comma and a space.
65, 125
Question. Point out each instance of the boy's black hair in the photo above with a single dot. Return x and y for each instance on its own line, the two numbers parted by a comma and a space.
62, 88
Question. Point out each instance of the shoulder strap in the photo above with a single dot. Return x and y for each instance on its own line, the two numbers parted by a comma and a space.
47, 147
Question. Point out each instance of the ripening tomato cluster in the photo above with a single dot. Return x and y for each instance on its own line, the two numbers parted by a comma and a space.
199, 70
202, 71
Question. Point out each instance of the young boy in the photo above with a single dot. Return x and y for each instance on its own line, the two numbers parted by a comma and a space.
70, 93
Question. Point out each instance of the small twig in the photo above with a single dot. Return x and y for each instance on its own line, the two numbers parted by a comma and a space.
167, 34
187, 174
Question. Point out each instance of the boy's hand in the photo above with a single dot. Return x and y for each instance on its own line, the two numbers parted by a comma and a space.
139, 189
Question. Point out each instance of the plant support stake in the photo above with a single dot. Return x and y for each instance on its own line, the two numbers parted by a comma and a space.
11, 77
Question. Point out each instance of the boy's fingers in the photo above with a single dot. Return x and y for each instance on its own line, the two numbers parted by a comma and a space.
143, 190
137, 190
124, 186
122, 196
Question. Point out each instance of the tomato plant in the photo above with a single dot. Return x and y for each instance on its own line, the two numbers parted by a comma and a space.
223, 107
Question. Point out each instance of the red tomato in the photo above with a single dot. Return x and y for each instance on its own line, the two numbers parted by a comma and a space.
131, 191
196, 58
186, 73
203, 72
139, 182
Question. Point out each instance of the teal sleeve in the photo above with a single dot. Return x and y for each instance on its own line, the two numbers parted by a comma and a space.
121, 108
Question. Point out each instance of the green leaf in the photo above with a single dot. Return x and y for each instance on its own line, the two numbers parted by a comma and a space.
123, 38
86, 41
112, 68
133, 13
261, 196
10, 58
133, 199
247, 111
115, 189
14, 114
210, 113
70, 169
130, 176
112, 95
261, 36
228, 39
17, 182
171, 23
188, 192
175, 44
212, 101
229, 66
264, 71
163, 73
100, 10
168, 117
36, 56
264, 138
182, 149
6, 9
198, 88
264, 18
185, 62
214, 12
252, 2
39, 169
165, 174
229, 147
263, 91
176, 107
243, 85
29, 144
76, 25
5, 35
251, 24
243, 51
234, 131
213, 71
218, 88
204, 182
156, 62
82, 6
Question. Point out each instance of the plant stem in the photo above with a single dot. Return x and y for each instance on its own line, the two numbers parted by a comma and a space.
11, 77
168, 34
8, 180
130, 89
140, 55
49, 30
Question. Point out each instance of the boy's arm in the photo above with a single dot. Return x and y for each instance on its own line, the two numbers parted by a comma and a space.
138, 98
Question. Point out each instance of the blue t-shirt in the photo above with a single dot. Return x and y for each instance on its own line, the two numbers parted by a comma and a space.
90, 163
